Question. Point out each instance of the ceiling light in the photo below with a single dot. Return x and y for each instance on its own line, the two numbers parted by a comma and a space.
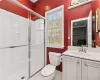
33, 1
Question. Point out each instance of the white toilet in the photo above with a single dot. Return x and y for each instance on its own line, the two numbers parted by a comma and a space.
48, 72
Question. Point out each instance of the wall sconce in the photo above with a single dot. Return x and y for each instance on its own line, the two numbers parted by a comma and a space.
99, 34
47, 8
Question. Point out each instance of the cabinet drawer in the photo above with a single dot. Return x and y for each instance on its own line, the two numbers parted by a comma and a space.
70, 58
91, 63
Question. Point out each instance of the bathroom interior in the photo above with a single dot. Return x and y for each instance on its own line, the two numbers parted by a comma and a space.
49, 40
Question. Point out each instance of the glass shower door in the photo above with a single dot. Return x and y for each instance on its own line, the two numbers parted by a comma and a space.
37, 57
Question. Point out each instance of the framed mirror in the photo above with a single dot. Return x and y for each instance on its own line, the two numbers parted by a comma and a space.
97, 27
98, 20
87, 15
81, 31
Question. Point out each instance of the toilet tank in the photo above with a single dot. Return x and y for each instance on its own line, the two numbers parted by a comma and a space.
54, 58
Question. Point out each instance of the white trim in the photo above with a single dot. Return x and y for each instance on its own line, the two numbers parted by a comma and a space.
50, 11
55, 46
88, 29
96, 21
45, 55
79, 4
45, 40
26, 8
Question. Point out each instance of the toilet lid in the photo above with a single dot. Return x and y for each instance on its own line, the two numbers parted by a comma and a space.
48, 70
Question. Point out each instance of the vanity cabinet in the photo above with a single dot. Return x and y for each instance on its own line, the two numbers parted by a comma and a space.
80, 69
90, 70
71, 68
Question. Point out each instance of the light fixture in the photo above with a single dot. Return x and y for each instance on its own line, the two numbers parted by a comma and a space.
47, 8
33, 1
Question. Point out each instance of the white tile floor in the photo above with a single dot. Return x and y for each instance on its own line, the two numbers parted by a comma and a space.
58, 76
38, 76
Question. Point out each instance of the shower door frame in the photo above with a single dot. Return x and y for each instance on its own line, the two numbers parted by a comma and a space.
30, 11
30, 76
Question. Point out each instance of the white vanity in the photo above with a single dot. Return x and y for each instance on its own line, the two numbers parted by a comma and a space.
82, 63
81, 66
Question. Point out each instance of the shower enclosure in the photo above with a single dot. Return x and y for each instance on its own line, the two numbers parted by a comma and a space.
36, 45
22, 44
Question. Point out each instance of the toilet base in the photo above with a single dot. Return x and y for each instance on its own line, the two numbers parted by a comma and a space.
40, 77
51, 77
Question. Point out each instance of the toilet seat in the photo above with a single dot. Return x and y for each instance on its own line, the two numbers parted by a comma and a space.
48, 70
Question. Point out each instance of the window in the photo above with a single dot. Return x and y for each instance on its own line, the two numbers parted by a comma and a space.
55, 27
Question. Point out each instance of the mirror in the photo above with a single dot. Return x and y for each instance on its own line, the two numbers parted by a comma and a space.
97, 20
97, 27
79, 33
84, 32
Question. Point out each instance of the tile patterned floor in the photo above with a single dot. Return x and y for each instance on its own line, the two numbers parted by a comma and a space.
38, 76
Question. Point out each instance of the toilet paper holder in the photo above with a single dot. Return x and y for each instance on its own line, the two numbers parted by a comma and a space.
61, 57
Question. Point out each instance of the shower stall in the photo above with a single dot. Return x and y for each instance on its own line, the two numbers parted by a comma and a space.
22, 44
36, 46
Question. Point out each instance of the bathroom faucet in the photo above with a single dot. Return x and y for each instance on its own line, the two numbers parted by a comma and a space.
82, 49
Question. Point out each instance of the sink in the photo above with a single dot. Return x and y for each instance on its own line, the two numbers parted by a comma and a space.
87, 55
93, 54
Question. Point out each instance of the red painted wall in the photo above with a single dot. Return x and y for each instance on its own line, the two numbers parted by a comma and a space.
95, 5
40, 7
27, 3
79, 12
76, 13
5, 4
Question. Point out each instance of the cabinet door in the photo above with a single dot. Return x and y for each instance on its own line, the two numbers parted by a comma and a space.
90, 70
71, 68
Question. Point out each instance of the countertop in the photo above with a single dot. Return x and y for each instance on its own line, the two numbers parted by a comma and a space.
88, 55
